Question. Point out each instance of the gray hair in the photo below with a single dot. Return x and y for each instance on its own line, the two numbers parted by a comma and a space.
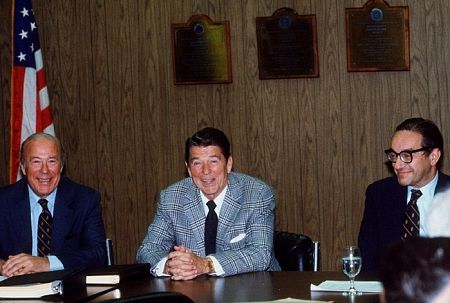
44, 136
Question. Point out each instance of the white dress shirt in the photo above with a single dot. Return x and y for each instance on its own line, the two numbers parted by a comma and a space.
424, 202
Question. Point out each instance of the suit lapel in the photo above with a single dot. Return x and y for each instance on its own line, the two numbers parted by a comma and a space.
62, 217
230, 208
400, 196
195, 216
195, 212
442, 183
21, 219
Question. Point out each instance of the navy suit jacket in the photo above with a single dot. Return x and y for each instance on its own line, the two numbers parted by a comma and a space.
78, 233
244, 234
384, 212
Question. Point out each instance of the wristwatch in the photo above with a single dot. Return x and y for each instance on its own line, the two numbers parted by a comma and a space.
210, 264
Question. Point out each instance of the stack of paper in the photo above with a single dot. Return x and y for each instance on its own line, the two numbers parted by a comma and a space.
362, 286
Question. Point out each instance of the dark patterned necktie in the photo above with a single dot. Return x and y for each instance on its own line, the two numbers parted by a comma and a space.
412, 217
44, 229
211, 229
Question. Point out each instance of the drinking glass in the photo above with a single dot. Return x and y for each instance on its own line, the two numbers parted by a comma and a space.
351, 266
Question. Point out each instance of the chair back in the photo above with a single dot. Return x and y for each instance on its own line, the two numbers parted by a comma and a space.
296, 252
109, 252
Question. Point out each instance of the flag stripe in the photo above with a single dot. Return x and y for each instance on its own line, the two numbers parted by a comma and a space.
41, 83
18, 75
30, 105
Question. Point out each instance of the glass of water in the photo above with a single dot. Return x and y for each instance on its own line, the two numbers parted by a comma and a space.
351, 266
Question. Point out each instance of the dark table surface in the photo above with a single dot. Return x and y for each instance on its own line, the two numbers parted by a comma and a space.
251, 287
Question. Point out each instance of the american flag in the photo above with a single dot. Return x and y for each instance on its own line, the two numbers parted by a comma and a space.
30, 105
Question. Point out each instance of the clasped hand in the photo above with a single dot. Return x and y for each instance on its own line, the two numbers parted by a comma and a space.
183, 264
23, 264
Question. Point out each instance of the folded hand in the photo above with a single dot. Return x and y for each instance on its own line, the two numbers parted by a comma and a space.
24, 264
183, 264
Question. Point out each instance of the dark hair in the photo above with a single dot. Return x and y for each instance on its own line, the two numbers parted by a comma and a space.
206, 137
431, 135
415, 271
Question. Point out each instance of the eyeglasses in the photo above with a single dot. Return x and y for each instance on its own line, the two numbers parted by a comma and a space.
405, 155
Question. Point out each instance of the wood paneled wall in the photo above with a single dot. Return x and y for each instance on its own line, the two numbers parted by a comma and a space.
319, 142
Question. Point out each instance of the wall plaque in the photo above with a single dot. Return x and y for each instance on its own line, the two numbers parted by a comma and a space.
287, 45
201, 51
377, 37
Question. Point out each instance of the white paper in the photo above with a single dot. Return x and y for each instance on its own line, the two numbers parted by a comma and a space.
363, 286
291, 300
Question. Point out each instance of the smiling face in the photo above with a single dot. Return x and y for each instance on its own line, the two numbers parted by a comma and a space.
422, 169
209, 169
42, 165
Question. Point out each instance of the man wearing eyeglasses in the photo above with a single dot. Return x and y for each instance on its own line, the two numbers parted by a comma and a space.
416, 147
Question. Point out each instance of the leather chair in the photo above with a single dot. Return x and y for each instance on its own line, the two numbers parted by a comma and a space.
156, 297
296, 252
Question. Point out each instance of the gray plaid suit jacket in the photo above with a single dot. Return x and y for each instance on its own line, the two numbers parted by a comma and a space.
248, 209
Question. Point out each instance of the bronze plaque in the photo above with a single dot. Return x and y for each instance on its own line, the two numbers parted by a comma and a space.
287, 45
201, 51
377, 37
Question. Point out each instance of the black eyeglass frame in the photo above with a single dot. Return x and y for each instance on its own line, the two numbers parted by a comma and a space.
409, 152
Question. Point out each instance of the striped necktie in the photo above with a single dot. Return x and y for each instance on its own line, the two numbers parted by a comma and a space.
411, 224
44, 229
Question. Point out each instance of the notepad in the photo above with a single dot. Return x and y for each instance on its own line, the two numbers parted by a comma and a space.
363, 286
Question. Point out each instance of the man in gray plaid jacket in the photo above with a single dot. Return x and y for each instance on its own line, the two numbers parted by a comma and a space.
175, 241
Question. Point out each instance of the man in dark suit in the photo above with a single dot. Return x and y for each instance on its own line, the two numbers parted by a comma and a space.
416, 148
76, 232
176, 241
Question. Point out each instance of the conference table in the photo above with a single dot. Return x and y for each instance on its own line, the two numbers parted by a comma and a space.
249, 287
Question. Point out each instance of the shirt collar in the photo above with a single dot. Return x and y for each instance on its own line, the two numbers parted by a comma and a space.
218, 200
33, 198
427, 190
